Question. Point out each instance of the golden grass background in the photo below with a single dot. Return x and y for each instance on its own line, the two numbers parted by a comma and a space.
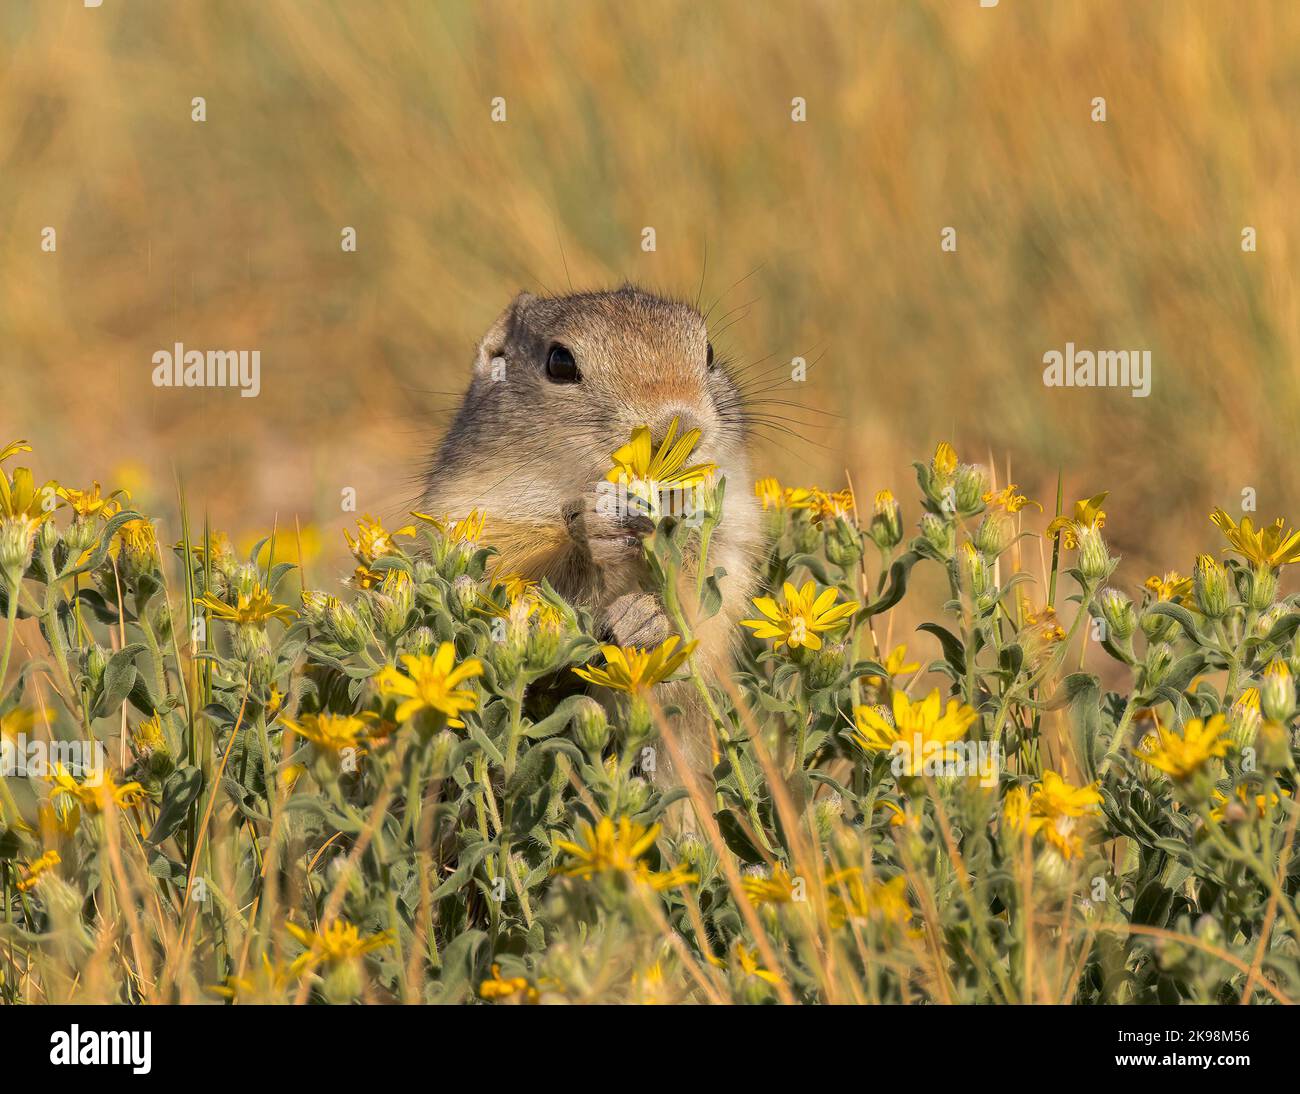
822, 238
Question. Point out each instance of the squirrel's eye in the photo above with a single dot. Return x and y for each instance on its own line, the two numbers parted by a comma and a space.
561, 368
708, 357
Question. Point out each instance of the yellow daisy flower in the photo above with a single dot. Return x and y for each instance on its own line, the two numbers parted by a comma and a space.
924, 722
430, 683
1180, 757
802, 619
638, 464
606, 848
1088, 513
341, 941
1274, 546
635, 670
252, 608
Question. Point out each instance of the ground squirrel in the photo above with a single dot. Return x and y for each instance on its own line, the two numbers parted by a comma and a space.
559, 384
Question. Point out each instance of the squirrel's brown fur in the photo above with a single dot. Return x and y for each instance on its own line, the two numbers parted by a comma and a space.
530, 452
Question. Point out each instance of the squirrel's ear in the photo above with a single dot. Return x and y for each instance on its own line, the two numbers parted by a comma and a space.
493, 343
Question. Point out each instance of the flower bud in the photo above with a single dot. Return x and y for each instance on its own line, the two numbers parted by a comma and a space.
244, 580
995, 533
464, 595
1244, 719
17, 539
887, 521
444, 742
1160, 659
1268, 620
806, 534
420, 640
591, 726
344, 981
1210, 582
1117, 611
95, 661
972, 483
1094, 559
81, 536
314, 606
974, 570
47, 538
826, 814
1263, 587
825, 667
345, 626
938, 533
1277, 692
393, 603
636, 792
843, 544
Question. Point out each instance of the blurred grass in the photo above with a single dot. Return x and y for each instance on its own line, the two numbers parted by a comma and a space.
822, 239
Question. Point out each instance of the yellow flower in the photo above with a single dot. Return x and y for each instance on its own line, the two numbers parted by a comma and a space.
220, 544
635, 670
1088, 513
1008, 500
13, 448
1274, 546
850, 897
774, 888
896, 664
373, 541
21, 719
33, 870
1055, 808
149, 737
944, 462
431, 683
22, 499
341, 941
831, 506
1262, 802
253, 608
637, 464
801, 497
89, 503
1173, 587
66, 790
466, 530
748, 960
803, 617
922, 723
770, 493
619, 850
523, 601
269, 980
331, 732
898, 816
23, 509
1182, 756
497, 988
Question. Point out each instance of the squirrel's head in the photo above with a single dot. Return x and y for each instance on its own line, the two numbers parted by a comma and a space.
565, 380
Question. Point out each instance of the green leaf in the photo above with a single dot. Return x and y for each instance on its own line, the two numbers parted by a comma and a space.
180, 789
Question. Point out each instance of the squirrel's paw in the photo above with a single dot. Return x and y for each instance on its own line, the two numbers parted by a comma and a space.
637, 619
610, 536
